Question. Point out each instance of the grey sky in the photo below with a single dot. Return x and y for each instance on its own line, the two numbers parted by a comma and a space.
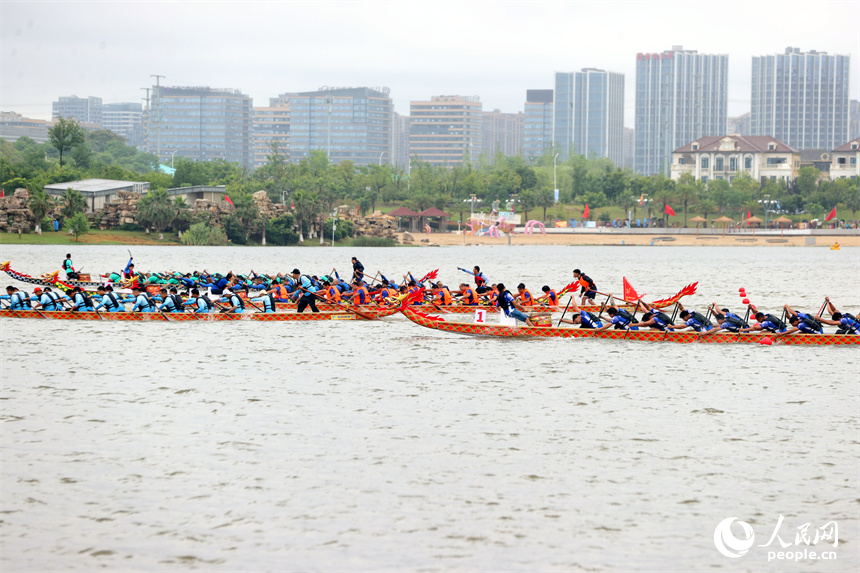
496, 50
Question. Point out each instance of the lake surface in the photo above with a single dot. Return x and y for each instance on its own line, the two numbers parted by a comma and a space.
356, 446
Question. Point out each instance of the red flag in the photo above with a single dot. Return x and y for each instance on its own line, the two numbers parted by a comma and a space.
227, 199
832, 215
669, 211
585, 213
630, 292
2, 192
749, 214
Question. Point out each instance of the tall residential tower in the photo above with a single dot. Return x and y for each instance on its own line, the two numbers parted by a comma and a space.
801, 98
537, 123
681, 95
589, 114
446, 129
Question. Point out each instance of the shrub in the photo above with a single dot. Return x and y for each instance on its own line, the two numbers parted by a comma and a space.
236, 232
201, 234
130, 227
373, 242
280, 231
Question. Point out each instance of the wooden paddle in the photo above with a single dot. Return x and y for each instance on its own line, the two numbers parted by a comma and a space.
349, 308
569, 299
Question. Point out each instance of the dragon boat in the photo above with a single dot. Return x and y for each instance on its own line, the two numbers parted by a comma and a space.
436, 323
48, 279
363, 314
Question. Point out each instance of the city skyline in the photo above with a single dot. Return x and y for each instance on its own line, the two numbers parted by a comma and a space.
511, 48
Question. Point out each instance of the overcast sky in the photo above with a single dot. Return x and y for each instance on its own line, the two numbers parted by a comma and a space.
496, 50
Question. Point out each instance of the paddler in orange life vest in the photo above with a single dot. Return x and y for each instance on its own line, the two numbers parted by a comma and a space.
386, 293
589, 289
441, 295
331, 292
468, 295
279, 291
359, 294
526, 298
549, 295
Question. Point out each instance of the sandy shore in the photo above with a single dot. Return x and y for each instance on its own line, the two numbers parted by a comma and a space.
619, 239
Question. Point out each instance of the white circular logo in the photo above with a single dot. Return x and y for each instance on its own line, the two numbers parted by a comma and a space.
728, 544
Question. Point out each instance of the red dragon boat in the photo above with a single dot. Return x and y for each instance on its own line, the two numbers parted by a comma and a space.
363, 314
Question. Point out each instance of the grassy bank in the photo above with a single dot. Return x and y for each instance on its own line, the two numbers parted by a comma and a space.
116, 237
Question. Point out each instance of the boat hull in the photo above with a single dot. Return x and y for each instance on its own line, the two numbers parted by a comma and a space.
185, 317
636, 335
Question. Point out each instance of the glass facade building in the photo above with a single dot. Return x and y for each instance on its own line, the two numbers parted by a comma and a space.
589, 114
347, 123
83, 109
537, 123
801, 98
124, 119
446, 129
271, 125
201, 124
681, 95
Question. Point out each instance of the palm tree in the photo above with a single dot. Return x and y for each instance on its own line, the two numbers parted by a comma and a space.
40, 204
156, 210
687, 191
307, 206
73, 202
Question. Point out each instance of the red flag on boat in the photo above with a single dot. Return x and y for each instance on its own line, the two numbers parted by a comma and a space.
629, 291
585, 213
831, 215
669, 211
227, 199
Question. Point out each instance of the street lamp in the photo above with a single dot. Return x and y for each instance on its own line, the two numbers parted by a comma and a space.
380, 157
171, 159
645, 200
333, 225
766, 203
555, 176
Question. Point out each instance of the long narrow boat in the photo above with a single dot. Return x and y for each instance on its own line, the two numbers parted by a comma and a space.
46, 280
185, 317
448, 308
437, 323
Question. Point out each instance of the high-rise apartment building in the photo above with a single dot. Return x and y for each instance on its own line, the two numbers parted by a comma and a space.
801, 98
400, 140
201, 124
346, 123
854, 122
271, 125
124, 119
446, 129
628, 146
589, 114
681, 95
537, 123
501, 132
82, 109
740, 125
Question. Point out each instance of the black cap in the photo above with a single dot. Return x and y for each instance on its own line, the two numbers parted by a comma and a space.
296, 272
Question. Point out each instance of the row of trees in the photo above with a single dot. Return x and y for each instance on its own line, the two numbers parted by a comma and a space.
314, 185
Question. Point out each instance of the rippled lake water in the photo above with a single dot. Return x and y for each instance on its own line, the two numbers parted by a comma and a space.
355, 446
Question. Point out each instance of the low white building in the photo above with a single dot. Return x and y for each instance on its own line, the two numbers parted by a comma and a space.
725, 156
845, 160
97, 192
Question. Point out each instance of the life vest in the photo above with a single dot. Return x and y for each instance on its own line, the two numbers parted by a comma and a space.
444, 297
661, 319
505, 302
470, 298
332, 293
269, 303
552, 297
361, 296
589, 320
149, 304
587, 284
702, 322
178, 303
87, 303
811, 325
67, 265
384, 293
778, 325
527, 297
114, 303
625, 316
735, 322
237, 301
206, 302
850, 327
16, 300
281, 292
54, 299
480, 279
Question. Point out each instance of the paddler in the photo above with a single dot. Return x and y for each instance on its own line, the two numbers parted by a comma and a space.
357, 270
200, 304
654, 318
510, 306
441, 295
620, 319
110, 302
237, 305
581, 317
695, 320
549, 295
847, 323
142, 302
80, 301
49, 300
766, 322
17, 300
524, 295
802, 322
589, 289
330, 291
308, 290
360, 295
468, 295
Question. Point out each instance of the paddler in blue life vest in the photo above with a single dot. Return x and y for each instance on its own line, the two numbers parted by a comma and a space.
802, 322
766, 322
654, 319
581, 317
510, 306
847, 323
50, 300
17, 300
237, 305
172, 302
142, 302
109, 301
80, 301
620, 319
199, 304
695, 320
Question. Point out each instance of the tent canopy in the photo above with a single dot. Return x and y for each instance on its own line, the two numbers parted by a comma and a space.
754, 219
698, 219
724, 219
